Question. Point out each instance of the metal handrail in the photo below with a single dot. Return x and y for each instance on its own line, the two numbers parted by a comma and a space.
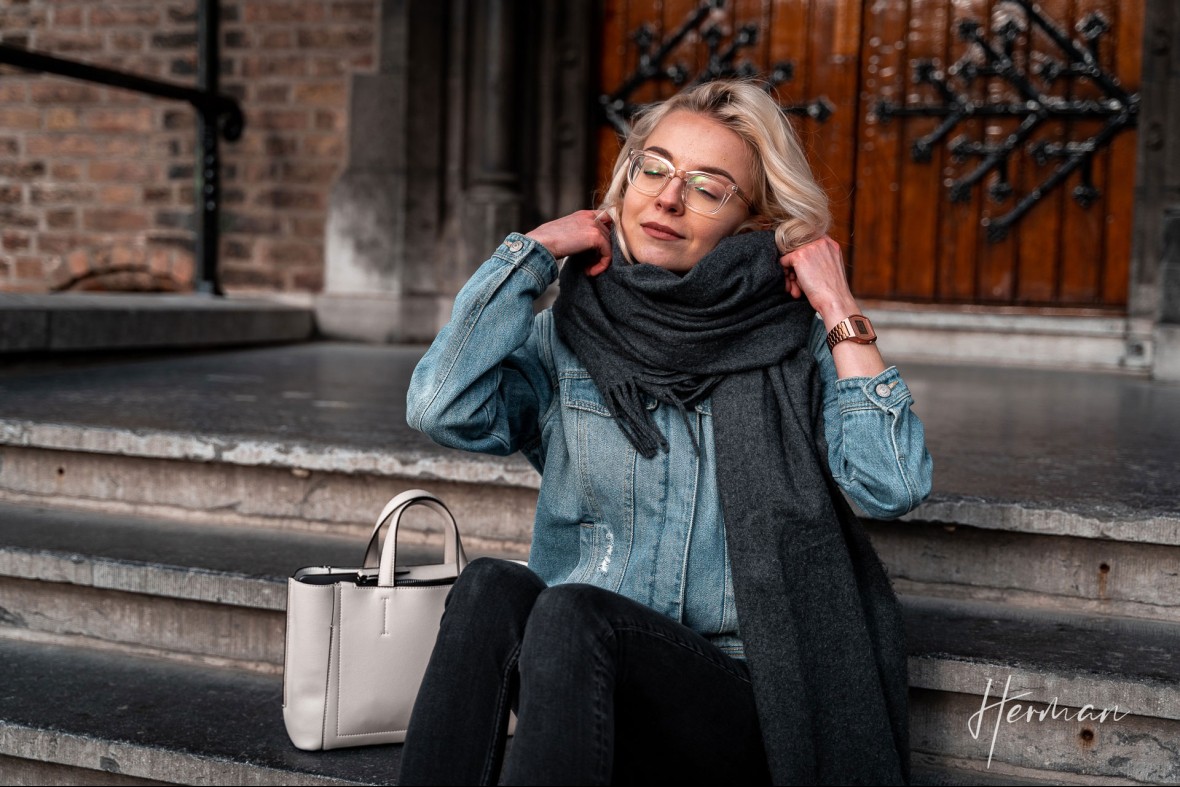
216, 113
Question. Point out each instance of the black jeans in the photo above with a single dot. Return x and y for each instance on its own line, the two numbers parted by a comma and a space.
606, 690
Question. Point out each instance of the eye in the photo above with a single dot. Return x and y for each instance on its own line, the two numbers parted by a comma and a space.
707, 187
653, 168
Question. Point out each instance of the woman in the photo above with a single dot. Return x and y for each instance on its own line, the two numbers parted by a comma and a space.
700, 604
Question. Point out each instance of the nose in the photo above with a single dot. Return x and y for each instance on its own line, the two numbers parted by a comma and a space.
671, 198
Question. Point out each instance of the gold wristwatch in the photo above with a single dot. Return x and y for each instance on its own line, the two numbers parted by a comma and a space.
855, 327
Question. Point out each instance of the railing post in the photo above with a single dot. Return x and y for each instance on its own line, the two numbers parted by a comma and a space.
208, 184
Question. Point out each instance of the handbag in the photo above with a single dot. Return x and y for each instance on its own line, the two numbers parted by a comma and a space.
358, 639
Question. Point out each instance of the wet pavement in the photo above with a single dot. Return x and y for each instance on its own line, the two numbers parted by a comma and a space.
1104, 446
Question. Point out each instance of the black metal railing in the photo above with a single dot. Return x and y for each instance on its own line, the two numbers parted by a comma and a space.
216, 114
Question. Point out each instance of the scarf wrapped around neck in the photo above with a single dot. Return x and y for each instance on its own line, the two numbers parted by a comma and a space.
822, 628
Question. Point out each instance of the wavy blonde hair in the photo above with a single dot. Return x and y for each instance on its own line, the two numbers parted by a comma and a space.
786, 197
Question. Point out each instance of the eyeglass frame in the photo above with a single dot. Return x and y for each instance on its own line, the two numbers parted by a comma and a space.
730, 190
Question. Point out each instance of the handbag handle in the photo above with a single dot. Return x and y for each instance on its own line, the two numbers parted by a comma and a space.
373, 551
393, 511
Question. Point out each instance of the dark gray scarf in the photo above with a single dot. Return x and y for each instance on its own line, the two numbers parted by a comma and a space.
821, 625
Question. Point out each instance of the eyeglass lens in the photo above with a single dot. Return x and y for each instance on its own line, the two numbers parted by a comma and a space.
701, 192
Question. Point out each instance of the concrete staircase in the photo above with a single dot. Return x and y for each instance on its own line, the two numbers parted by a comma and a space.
151, 509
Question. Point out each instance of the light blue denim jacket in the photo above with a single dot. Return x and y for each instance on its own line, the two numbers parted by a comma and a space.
498, 379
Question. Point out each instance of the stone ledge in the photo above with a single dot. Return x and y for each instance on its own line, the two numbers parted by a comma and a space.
71, 322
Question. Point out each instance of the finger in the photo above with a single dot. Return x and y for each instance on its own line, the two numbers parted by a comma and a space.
598, 267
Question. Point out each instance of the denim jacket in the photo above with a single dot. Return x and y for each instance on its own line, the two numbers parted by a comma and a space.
498, 379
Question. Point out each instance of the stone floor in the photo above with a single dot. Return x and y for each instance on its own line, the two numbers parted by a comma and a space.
1100, 447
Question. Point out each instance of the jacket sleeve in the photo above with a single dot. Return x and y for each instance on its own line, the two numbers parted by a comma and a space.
876, 444
484, 384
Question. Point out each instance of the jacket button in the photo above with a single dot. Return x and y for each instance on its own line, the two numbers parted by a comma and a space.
883, 390
514, 245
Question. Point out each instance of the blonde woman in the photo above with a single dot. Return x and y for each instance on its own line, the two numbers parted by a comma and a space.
700, 602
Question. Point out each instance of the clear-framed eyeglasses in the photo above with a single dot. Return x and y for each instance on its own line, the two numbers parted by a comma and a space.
702, 192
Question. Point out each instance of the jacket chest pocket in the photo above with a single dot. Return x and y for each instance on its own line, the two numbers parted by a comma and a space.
604, 457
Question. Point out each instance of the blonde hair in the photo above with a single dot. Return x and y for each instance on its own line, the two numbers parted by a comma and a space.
785, 198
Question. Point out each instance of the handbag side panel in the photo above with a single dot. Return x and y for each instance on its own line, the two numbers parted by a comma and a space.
305, 662
386, 637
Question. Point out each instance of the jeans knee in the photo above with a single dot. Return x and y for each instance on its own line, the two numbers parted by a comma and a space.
567, 619
488, 584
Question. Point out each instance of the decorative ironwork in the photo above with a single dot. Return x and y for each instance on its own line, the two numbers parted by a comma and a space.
1117, 108
653, 65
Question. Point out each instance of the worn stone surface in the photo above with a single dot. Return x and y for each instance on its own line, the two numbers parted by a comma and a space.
1083, 454
155, 720
30, 773
78, 321
1083, 574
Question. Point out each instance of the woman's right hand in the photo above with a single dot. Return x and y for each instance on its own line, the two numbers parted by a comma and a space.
581, 231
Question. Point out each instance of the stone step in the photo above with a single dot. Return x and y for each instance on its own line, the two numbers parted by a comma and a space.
84, 716
89, 322
207, 594
1105, 576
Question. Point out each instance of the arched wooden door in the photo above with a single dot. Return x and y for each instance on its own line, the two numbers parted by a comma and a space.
1024, 198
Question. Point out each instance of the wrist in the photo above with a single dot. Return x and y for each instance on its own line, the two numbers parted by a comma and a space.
836, 309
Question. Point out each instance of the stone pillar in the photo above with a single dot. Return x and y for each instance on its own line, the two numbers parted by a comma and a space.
1155, 291
383, 211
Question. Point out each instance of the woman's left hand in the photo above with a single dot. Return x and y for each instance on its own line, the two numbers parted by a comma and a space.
816, 271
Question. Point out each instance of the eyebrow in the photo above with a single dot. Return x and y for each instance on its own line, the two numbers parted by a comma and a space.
713, 170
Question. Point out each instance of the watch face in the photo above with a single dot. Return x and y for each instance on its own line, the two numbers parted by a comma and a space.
862, 327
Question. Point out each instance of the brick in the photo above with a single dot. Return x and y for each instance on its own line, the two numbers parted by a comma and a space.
43, 194
184, 66
182, 119
137, 119
175, 219
61, 219
68, 16
174, 40
280, 119
328, 67
284, 11
21, 170
235, 249
308, 172
293, 253
183, 241
13, 91
233, 197
331, 94
54, 243
272, 94
20, 119
327, 120
115, 220
182, 14
66, 170
249, 224
15, 240
118, 195
83, 145
28, 267
186, 196
349, 37
354, 11
9, 146
290, 198
11, 195
157, 195
310, 280
54, 91
237, 39
235, 276
323, 145
61, 119
274, 65
110, 15
159, 260
276, 39
62, 43
124, 171
183, 266
307, 227
13, 218
126, 40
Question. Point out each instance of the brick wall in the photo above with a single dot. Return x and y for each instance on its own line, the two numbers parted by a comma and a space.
96, 184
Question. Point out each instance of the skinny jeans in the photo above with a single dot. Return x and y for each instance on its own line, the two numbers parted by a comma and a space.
606, 691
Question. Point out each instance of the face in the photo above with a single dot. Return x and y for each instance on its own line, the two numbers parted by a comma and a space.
660, 230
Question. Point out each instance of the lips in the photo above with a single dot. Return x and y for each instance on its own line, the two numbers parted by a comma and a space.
659, 231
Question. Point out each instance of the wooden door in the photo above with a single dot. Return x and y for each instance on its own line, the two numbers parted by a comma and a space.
904, 236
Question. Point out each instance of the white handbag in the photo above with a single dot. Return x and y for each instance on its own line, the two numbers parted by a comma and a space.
358, 639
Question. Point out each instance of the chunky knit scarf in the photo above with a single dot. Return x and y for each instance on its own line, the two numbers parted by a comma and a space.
821, 626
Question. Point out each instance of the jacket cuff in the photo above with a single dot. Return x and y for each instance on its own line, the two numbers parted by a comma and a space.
887, 391
521, 251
